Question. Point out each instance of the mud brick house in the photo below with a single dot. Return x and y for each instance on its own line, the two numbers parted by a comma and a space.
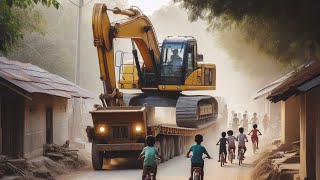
299, 95
33, 108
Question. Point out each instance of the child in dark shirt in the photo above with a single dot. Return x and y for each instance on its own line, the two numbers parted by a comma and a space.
223, 146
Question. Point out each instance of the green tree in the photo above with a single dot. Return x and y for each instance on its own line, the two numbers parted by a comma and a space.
287, 29
18, 17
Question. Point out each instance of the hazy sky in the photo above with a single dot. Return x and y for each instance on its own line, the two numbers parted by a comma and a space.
148, 6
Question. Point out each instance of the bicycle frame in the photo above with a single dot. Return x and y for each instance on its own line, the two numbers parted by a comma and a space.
240, 155
149, 173
197, 172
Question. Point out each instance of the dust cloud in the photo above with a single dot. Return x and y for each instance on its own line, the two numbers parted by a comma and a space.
241, 70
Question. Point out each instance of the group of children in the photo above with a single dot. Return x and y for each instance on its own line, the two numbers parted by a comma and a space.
241, 138
150, 153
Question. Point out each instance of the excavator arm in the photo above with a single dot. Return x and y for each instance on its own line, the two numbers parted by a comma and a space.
136, 27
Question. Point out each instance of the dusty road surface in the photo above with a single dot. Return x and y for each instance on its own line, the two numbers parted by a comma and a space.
177, 168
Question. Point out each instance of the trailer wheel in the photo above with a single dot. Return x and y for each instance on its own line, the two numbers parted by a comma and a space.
171, 147
97, 157
163, 146
158, 147
178, 145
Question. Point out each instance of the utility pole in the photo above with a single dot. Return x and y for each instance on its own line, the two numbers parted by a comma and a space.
77, 105
77, 69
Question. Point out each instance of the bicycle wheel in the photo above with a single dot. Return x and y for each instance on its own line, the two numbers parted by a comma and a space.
196, 178
147, 177
254, 147
221, 159
231, 157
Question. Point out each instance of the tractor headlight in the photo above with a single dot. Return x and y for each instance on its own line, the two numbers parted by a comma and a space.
102, 129
138, 128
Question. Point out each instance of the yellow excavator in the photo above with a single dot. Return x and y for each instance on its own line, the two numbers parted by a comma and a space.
162, 73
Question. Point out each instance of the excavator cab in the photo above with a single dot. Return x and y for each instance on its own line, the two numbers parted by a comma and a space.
178, 59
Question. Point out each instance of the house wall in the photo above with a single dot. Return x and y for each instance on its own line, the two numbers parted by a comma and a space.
310, 116
290, 119
35, 123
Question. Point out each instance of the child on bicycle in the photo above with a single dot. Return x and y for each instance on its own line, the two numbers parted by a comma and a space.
149, 154
254, 136
197, 153
223, 146
242, 139
231, 142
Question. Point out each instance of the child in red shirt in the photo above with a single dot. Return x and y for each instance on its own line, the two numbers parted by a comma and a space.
254, 136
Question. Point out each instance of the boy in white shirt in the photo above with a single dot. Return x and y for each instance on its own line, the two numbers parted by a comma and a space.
242, 139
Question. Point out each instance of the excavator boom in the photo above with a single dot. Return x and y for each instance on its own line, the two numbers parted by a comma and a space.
136, 27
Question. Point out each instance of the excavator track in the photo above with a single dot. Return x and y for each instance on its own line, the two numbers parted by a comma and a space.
191, 111
196, 111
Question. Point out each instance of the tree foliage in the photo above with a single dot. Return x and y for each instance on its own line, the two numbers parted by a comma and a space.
17, 17
287, 29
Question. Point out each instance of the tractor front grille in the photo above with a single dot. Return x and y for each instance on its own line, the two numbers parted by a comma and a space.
120, 132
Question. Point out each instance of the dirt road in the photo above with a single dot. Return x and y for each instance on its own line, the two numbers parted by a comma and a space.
177, 168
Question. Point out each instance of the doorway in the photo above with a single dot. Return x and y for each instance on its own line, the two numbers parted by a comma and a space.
49, 125
1, 124
12, 125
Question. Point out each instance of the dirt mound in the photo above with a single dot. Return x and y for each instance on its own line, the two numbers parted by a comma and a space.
263, 169
42, 165
46, 168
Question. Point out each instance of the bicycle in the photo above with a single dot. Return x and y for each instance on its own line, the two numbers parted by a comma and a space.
149, 171
231, 155
240, 155
197, 171
254, 145
222, 159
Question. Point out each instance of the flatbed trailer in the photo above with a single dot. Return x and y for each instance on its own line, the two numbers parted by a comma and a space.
123, 137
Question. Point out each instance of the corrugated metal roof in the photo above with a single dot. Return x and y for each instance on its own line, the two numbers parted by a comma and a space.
300, 81
267, 90
309, 85
36, 80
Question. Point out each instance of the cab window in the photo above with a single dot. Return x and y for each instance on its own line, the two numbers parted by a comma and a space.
190, 62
